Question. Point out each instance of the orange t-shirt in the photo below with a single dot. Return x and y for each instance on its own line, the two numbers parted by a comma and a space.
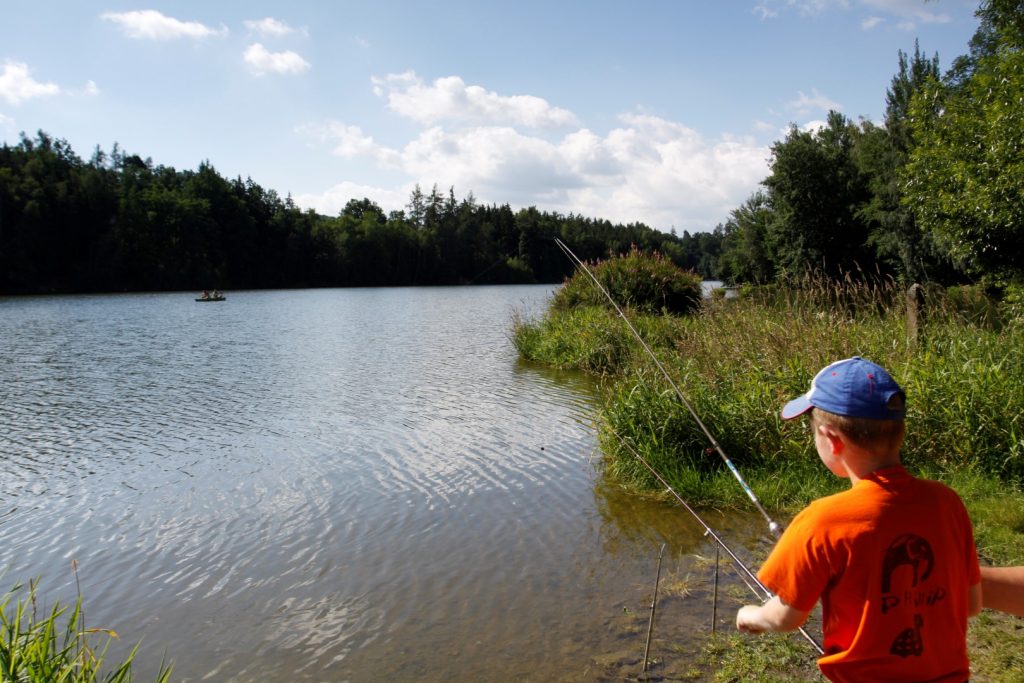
892, 559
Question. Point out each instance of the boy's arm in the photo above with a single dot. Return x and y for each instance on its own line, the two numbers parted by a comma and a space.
1002, 588
974, 600
774, 615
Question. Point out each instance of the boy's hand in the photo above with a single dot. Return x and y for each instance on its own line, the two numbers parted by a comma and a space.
773, 615
748, 619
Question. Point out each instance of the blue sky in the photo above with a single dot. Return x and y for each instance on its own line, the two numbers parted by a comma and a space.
656, 111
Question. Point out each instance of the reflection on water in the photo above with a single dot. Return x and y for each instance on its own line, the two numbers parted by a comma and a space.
325, 485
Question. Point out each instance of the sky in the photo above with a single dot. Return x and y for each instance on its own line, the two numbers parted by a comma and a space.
655, 111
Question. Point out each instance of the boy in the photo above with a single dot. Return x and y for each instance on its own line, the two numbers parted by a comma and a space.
892, 559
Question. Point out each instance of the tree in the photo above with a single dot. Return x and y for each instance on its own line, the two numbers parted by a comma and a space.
965, 178
1002, 24
357, 208
745, 254
899, 244
815, 189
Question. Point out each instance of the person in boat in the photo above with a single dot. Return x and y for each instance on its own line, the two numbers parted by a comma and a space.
892, 559
206, 294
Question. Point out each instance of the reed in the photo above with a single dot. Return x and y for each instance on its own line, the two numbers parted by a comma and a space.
737, 361
588, 338
56, 646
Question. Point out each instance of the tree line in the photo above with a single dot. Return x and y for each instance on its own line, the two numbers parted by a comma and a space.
935, 194
120, 223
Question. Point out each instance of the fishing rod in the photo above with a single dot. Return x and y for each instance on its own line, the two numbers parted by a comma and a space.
773, 527
761, 591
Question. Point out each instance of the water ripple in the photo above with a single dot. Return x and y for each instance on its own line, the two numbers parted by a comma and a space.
297, 483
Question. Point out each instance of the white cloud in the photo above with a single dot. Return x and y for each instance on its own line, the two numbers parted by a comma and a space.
270, 27
7, 123
909, 11
805, 104
261, 61
152, 25
671, 175
648, 169
915, 10
17, 84
90, 89
769, 9
349, 142
333, 199
490, 161
449, 99
815, 126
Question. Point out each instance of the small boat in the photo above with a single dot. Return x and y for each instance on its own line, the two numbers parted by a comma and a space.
215, 295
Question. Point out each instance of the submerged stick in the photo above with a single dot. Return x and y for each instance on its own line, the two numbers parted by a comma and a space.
774, 528
654, 603
714, 597
746, 575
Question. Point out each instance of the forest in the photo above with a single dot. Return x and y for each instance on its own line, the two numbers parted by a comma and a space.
120, 223
935, 193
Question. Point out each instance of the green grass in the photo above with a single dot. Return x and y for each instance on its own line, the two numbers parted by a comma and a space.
765, 659
56, 646
737, 362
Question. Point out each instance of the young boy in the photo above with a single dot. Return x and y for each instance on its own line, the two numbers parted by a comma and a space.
892, 559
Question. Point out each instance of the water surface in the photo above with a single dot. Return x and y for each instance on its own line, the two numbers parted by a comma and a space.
328, 485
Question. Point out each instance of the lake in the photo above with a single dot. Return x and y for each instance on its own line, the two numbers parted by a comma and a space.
332, 485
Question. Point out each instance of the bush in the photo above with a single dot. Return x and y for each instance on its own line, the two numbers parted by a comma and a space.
647, 283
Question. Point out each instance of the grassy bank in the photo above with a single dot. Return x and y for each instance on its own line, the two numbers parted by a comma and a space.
56, 645
738, 360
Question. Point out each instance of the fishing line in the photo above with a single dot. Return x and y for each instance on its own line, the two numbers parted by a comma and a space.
748, 577
773, 527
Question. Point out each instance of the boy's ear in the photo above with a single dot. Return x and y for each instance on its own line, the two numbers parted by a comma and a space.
835, 438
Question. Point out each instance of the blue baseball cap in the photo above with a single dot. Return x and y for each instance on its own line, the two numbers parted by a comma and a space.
854, 387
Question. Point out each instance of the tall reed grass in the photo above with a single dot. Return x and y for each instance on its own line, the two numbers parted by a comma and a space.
56, 646
739, 360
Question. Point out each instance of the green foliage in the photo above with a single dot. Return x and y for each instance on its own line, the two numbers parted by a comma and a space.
589, 338
637, 281
117, 222
746, 255
898, 242
935, 195
815, 186
739, 360
965, 177
57, 646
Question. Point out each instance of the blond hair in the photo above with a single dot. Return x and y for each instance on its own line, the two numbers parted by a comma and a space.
867, 433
